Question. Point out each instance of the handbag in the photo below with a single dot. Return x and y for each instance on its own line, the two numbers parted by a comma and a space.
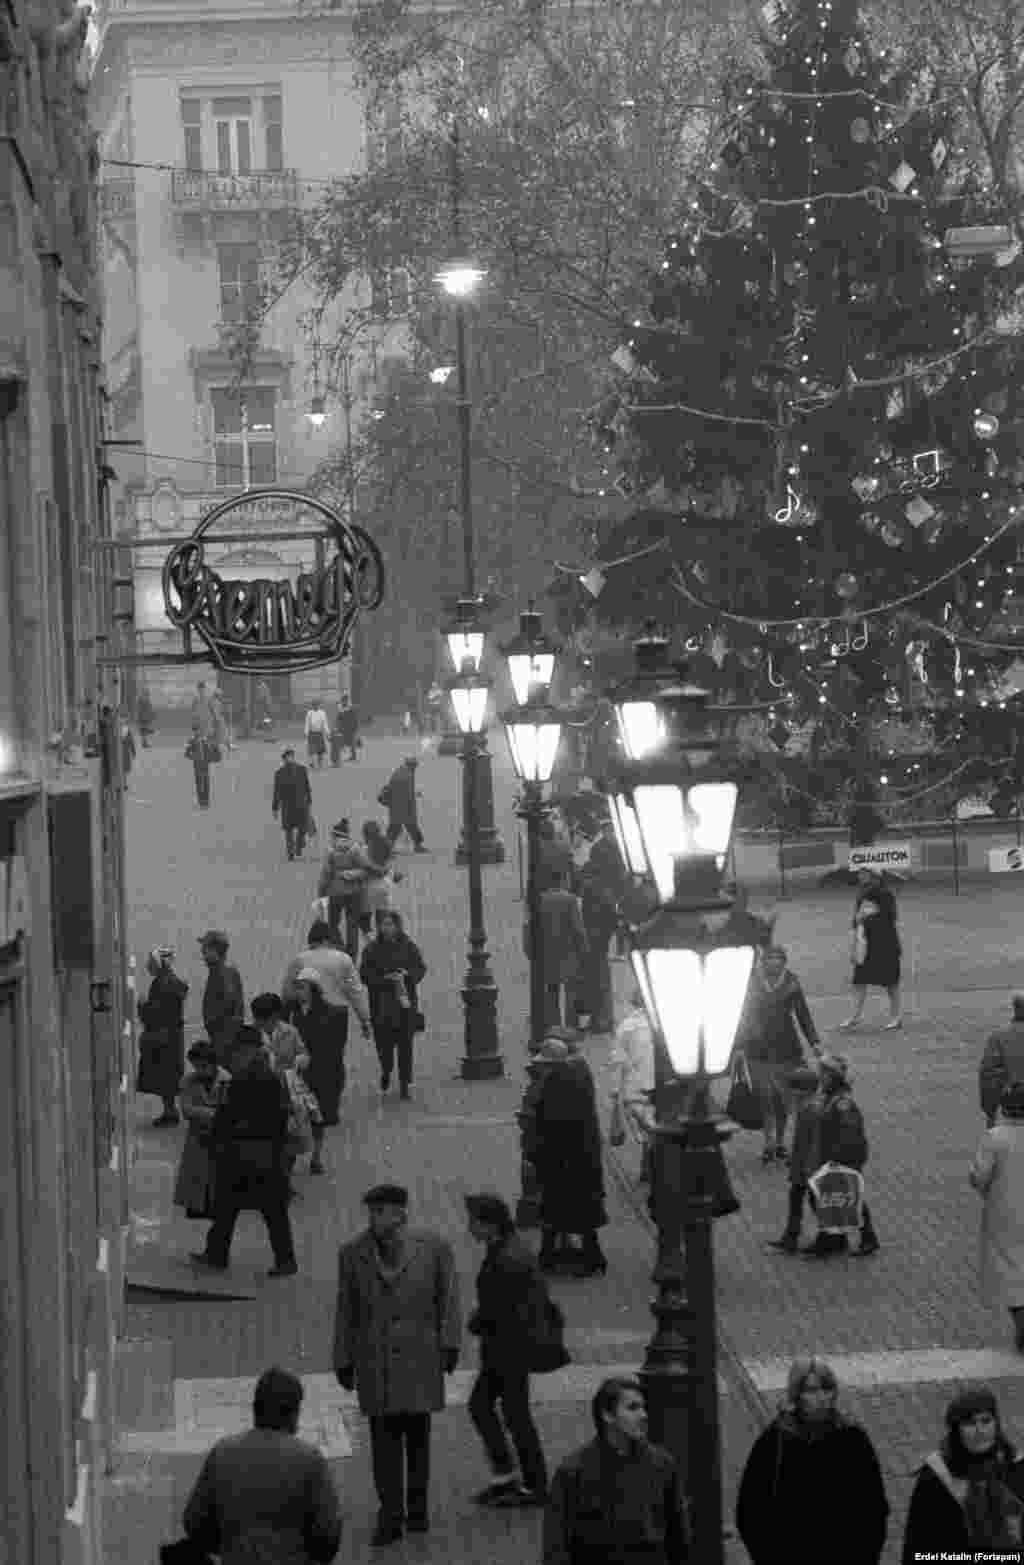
617, 1124
184, 1552
743, 1104
546, 1351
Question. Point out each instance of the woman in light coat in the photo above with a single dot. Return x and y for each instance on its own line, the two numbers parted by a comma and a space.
997, 1174
201, 1093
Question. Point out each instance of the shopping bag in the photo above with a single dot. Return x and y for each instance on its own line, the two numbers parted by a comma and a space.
547, 1350
617, 1124
838, 1198
743, 1104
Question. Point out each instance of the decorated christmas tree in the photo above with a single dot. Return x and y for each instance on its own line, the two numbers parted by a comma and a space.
821, 403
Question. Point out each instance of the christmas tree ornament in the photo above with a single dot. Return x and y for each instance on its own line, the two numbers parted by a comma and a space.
860, 130
625, 360
986, 425
788, 512
963, 243
852, 60
1009, 255
893, 534
939, 153
892, 696
918, 511
866, 486
847, 585
871, 521
902, 177
594, 582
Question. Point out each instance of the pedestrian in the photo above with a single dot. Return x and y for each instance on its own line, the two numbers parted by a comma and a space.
619, 1498
563, 952
376, 892
199, 751
324, 1034
263, 708
633, 1080
876, 948
997, 1174
127, 751
397, 1333
776, 1023
600, 912
145, 716
317, 732
812, 1487
508, 1291
392, 969
289, 1060
250, 1132
398, 797
805, 1156
292, 803
966, 1502
223, 997
568, 1158
266, 1495
202, 1092
748, 928
218, 716
284, 1047
348, 727
340, 988
556, 864
343, 878
162, 1040
1002, 1062
202, 712
841, 1139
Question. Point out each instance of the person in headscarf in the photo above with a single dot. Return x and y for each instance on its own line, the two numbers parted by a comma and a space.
392, 969
997, 1174
568, 1157
202, 1091
324, 1042
966, 1502
162, 1040
812, 1487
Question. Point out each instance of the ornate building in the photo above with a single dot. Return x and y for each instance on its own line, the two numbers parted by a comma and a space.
220, 125
65, 1042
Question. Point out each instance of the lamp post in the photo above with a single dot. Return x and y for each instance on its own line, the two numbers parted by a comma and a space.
693, 978
481, 1061
465, 640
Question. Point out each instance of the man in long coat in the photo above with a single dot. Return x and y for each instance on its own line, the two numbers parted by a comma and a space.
223, 997
567, 1157
397, 1333
399, 799
563, 952
292, 802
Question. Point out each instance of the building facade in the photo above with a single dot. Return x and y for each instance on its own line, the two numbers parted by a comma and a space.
65, 1043
221, 125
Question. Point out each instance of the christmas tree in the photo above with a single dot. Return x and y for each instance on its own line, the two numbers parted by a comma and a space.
821, 404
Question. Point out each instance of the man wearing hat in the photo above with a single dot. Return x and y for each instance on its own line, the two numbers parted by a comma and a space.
293, 798
343, 877
398, 796
223, 998
397, 1333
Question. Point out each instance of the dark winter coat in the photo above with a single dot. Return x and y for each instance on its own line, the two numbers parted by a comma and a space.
394, 1325
612, 1509
348, 725
162, 1041
223, 1009
382, 957
508, 1286
567, 1150
265, 1495
293, 796
555, 860
841, 1134
249, 1131
193, 1185
1001, 1064
324, 1032
881, 964
771, 1016
400, 793
806, 1497
937, 1521
564, 943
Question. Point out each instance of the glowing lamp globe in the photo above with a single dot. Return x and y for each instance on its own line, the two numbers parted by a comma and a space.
531, 660
533, 734
694, 987
460, 279
469, 700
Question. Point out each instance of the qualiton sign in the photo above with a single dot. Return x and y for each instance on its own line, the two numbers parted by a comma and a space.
276, 627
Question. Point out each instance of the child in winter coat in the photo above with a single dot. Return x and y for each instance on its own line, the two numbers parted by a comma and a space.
805, 1155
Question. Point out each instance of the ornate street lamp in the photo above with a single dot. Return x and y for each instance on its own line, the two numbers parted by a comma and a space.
464, 636
482, 1060
674, 810
531, 659
636, 700
534, 732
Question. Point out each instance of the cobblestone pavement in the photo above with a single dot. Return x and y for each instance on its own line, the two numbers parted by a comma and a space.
902, 1326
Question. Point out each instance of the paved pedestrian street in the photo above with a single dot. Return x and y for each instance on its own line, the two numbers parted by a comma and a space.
901, 1328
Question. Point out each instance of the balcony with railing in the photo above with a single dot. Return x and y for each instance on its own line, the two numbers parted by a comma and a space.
193, 191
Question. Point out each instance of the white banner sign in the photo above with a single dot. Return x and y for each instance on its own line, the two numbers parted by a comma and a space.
1003, 861
893, 856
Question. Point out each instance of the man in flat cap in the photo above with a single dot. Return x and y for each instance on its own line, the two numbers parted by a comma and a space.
397, 1333
223, 997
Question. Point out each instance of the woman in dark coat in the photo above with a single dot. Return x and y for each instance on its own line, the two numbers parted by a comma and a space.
775, 1024
876, 948
812, 1488
567, 1157
202, 1092
318, 1028
392, 968
162, 1041
966, 1500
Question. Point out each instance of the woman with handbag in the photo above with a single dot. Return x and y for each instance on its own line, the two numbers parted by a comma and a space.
201, 1093
324, 1040
876, 949
162, 1041
775, 1017
392, 968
